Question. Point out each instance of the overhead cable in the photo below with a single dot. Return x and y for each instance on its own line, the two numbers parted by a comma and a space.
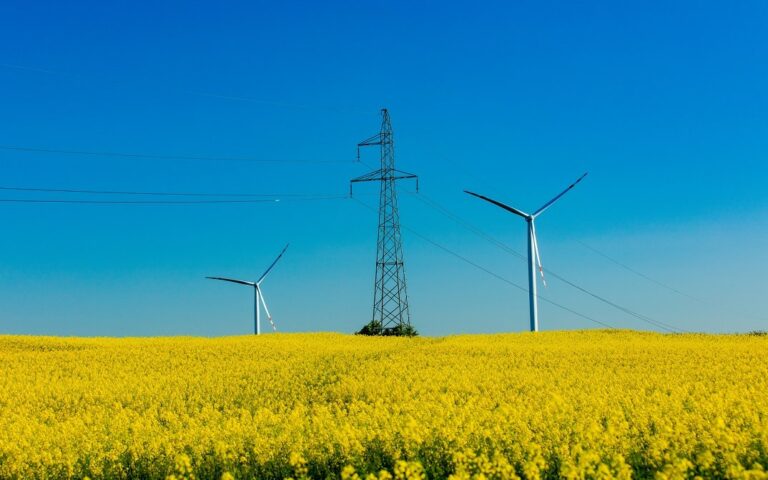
644, 318
490, 272
164, 194
155, 156
161, 202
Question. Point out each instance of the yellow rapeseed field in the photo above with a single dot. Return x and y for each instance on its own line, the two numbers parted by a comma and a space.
592, 404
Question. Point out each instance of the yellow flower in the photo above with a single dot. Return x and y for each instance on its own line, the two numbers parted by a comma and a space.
576, 405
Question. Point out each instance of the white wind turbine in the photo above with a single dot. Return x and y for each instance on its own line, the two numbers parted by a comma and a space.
534, 258
258, 295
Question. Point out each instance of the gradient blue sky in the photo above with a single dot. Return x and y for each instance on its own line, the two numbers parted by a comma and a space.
664, 103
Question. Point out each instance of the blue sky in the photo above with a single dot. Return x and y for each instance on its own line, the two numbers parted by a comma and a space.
662, 102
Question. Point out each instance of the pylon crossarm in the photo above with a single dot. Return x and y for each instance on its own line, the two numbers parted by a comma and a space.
370, 177
374, 176
401, 175
404, 175
368, 142
374, 140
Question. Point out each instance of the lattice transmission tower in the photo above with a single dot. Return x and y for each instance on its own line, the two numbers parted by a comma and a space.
390, 297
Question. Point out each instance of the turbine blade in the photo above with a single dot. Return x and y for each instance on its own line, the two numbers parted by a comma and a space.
264, 275
536, 252
269, 316
241, 282
549, 203
499, 204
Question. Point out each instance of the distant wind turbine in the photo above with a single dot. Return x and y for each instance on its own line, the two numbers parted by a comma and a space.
534, 259
258, 295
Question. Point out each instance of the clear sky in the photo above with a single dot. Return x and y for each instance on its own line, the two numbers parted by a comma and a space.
664, 103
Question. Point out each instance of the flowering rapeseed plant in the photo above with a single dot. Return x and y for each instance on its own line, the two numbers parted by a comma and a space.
575, 405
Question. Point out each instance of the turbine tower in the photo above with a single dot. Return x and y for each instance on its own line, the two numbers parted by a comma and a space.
390, 299
534, 259
258, 296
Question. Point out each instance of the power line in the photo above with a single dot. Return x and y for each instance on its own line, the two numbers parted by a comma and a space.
159, 202
490, 272
472, 228
38, 70
261, 101
639, 274
503, 279
477, 231
132, 202
660, 284
161, 157
639, 316
297, 106
517, 254
174, 194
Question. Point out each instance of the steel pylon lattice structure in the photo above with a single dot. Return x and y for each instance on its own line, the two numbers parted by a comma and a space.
390, 298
